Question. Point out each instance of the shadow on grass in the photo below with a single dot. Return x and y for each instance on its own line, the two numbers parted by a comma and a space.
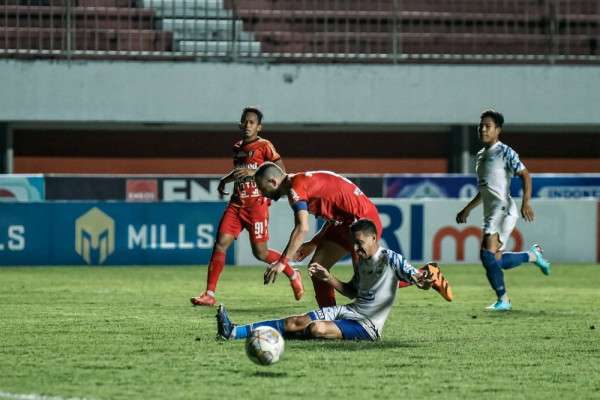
269, 374
354, 345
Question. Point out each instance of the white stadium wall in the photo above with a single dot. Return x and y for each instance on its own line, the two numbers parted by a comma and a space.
42, 91
426, 230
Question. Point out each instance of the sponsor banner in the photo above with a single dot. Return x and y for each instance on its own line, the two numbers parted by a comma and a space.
205, 188
21, 188
465, 186
142, 190
561, 186
425, 230
430, 186
85, 188
191, 188
95, 233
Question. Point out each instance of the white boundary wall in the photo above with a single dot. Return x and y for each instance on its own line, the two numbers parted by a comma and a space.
426, 230
44, 91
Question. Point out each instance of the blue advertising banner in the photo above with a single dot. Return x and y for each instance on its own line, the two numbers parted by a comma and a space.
465, 186
96, 233
21, 188
561, 186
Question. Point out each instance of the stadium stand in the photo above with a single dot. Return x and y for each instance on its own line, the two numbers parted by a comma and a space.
101, 25
530, 29
306, 30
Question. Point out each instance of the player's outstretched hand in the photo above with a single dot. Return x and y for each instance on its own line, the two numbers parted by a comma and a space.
423, 279
462, 216
305, 249
527, 212
272, 271
317, 271
243, 173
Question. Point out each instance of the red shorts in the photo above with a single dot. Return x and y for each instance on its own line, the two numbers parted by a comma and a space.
254, 219
340, 234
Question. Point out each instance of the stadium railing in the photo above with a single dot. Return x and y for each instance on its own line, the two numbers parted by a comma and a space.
377, 31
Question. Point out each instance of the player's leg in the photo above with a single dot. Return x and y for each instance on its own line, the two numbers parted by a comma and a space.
323, 330
339, 322
229, 228
490, 246
290, 325
256, 222
327, 254
508, 260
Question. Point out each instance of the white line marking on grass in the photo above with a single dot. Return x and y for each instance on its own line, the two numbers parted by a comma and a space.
34, 396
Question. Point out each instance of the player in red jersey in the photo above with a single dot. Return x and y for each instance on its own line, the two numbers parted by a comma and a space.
247, 208
340, 202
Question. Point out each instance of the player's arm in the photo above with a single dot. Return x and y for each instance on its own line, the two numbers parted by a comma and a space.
406, 272
297, 236
279, 163
462, 216
224, 181
348, 289
526, 210
307, 248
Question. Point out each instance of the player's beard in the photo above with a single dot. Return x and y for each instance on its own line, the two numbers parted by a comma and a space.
275, 196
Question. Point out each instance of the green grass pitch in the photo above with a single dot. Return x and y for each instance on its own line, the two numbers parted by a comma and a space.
131, 333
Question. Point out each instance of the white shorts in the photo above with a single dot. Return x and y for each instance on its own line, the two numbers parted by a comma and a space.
502, 223
346, 313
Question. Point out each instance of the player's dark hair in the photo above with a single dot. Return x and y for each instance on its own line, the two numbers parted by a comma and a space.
254, 110
497, 117
266, 169
364, 225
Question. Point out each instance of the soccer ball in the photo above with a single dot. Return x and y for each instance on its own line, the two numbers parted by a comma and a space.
264, 346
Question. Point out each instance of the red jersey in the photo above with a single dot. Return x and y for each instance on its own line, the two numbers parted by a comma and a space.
330, 196
250, 155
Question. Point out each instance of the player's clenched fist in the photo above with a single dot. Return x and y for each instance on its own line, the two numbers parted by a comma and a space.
423, 279
318, 271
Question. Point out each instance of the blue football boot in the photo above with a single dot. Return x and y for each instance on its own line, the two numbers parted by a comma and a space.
224, 325
500, 306
540, 261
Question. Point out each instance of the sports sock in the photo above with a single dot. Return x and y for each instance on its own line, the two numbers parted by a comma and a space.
511, 260
243, 331
493, 272
402, 284
324, 293
215, 267
273, 256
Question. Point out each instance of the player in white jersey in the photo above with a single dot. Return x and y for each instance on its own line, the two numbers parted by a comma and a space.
495, 165
373, 287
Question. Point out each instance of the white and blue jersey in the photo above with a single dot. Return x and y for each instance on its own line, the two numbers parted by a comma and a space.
495, 167
376, 282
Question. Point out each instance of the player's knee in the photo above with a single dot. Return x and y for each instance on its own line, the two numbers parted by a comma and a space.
316, 330
260, 254
488, 258
296, 323
221, 246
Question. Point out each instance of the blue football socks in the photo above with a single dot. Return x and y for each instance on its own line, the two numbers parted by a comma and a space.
243, 331
493, 272
511, 260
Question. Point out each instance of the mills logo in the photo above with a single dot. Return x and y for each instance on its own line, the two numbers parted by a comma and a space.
94, 236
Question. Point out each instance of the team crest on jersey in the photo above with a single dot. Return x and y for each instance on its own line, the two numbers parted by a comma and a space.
243, 154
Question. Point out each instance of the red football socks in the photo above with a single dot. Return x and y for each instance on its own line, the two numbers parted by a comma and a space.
215, 267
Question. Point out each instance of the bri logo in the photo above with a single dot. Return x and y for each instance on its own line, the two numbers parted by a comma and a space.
419, 237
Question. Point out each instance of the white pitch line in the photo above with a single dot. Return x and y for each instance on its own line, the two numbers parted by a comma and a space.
34, 396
